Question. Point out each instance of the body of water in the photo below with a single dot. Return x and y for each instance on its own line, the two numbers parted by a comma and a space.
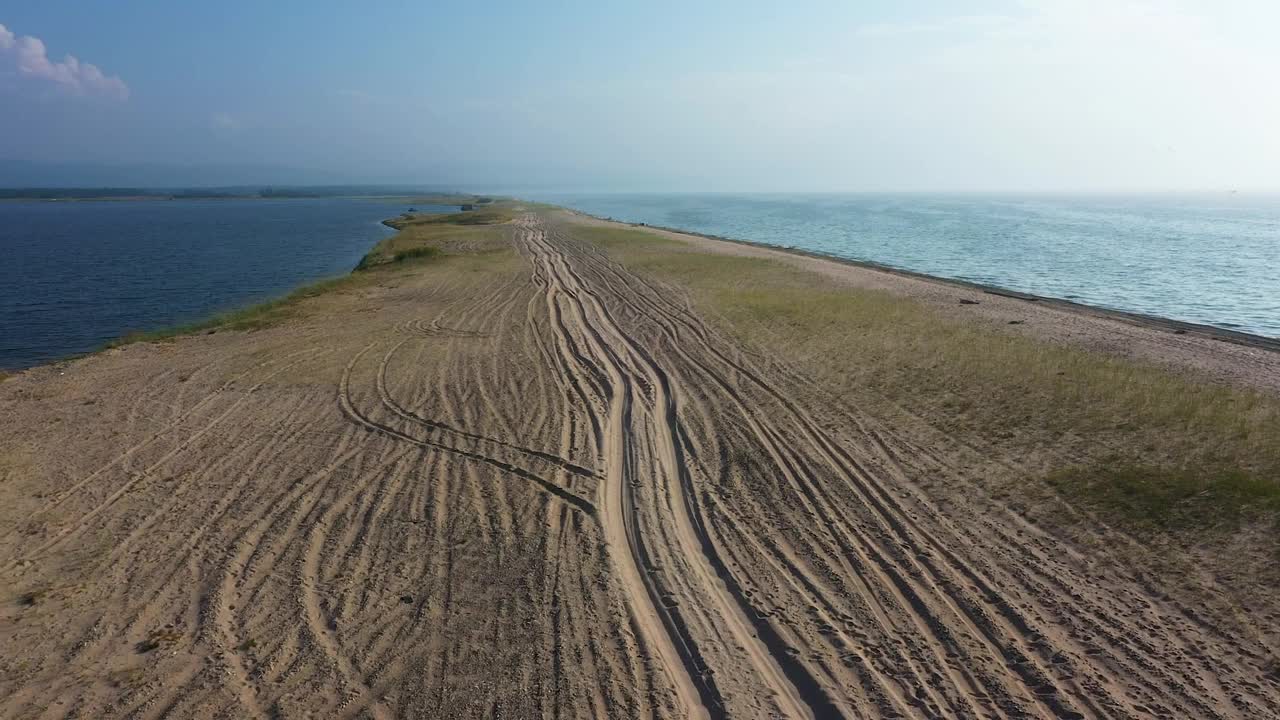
1204, 259
75, 275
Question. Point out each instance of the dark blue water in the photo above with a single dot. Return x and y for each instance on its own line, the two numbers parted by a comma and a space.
1206, 259
74, 275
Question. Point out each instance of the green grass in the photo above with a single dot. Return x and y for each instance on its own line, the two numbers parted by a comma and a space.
427, 236
415, 254
376, 259
1147, 448
1219, 499
495, 215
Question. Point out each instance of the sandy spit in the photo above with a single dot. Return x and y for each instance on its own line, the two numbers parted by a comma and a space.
542, 485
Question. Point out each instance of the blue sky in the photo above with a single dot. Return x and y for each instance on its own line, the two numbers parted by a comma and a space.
1035, 95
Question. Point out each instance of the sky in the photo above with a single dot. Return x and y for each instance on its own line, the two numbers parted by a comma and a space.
712, 95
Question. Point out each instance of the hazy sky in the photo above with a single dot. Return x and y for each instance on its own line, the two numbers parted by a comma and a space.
726, 95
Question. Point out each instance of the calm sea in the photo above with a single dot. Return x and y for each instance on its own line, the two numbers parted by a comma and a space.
74, 275
1205, 259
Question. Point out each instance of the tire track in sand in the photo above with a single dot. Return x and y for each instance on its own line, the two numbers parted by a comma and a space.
633, 375
928, 600
1029, 636
397, 408
83, 521
350, 410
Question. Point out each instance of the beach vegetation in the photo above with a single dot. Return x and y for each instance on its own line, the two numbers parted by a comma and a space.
415, 254
252, 317
1150, 449
1154, 497
426, 236
485, 216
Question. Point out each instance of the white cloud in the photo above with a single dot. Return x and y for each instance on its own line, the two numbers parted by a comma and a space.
82, 78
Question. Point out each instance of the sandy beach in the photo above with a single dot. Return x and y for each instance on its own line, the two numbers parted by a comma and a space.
554, 466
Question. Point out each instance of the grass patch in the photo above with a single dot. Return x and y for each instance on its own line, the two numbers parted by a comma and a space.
424, 236
1147, 447
415, 254
489, 215
253, 317
1168, 498
373, 260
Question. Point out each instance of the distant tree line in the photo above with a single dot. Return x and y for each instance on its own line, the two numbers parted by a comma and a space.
61, 193
57, 193
106, 193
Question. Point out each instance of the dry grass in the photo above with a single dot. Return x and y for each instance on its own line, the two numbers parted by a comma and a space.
253, 317
422, 236
1150, 449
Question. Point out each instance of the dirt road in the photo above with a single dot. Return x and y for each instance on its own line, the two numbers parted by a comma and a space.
536, 483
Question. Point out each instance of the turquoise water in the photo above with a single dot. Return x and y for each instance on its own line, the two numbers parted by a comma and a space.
74, 275
1205, 259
